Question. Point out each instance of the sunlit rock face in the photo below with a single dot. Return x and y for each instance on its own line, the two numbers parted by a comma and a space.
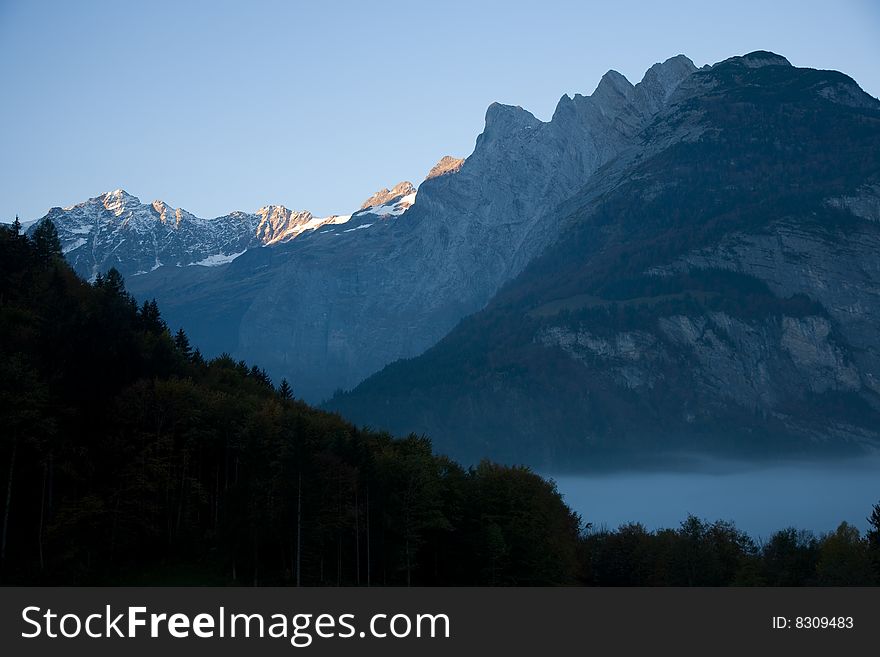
446, 165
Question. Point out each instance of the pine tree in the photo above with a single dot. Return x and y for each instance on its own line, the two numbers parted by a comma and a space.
182, 343
873, 540
46, 242
260, 375
284, 390
150, 317
874, 523
114, 282
16, 226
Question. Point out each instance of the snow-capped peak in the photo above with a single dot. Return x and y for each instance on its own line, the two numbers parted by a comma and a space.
385, 196
172, 216
115, 229
278, 224
118, 201
390, 202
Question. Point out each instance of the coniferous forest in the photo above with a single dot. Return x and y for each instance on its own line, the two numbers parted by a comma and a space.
128, 458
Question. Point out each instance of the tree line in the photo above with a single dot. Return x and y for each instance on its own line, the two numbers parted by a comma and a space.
129, 458
701, 553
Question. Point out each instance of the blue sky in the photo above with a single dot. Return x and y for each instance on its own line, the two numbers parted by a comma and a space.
216, 106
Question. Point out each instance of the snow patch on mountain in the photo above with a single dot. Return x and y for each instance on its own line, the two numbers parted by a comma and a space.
308, 223
218, 259
71, 246
389, 196
394, 209
357, 228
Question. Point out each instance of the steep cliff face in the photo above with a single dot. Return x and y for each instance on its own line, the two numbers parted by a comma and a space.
715, 289
838, 267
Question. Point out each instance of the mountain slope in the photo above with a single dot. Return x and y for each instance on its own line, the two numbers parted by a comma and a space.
718, 289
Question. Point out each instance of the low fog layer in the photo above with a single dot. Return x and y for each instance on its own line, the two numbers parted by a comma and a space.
759, 499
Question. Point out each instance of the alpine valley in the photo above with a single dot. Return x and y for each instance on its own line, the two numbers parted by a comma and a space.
688, 263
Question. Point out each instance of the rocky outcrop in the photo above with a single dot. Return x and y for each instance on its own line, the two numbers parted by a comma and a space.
865, 204
755, 364
838, 268
387, 196
445, 166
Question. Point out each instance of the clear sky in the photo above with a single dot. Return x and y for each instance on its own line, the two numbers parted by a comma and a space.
215, 106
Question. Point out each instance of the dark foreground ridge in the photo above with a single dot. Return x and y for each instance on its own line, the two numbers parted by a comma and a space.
129, 459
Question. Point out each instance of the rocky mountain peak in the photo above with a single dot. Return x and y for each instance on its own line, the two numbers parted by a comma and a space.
660, 81
668, 74
503, 120
169, 215
277, 223
160, 207
118, 201
386, 196
758, 59
445, 166
612, 84
615, 94
274, 213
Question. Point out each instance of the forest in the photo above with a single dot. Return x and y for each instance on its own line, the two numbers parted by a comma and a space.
126, 457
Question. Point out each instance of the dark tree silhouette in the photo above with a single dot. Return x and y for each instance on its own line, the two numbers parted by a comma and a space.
47, 245
874, 527
284, 390
122, 460
181, 341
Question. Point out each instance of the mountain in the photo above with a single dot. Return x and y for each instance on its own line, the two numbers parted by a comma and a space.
331, 307
685, 263
712, 287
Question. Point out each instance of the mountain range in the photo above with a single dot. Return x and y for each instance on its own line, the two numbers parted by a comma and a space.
689, 262
116, 230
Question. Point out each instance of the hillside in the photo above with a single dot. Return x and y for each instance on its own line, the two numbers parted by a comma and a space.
129, 459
